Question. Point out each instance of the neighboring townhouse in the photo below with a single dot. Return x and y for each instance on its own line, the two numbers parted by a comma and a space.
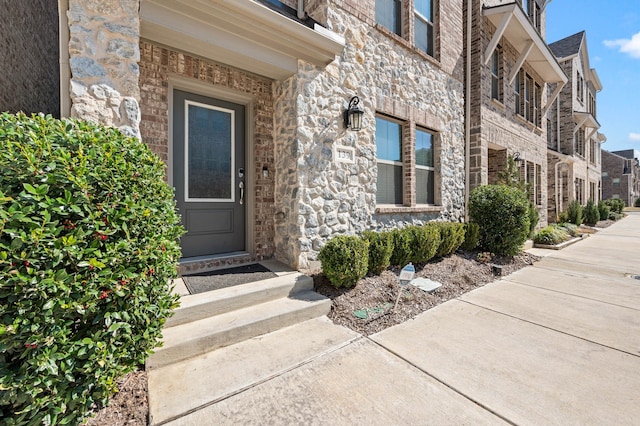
574, 143
245, 101
511, 71
621, 175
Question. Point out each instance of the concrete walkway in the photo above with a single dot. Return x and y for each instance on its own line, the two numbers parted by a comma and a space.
555, 343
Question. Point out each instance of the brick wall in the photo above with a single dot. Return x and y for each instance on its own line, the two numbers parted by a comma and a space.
29, 70
613, 165
156, 64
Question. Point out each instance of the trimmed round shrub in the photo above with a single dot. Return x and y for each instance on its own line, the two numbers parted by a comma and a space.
551, 235
591, 213
402, 246
380, 250
502, 214
471, 236
424, 244
603, 211
452, 235
88, 250
345, 260
574, 213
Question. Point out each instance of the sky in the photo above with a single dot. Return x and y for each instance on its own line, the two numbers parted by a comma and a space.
613, 42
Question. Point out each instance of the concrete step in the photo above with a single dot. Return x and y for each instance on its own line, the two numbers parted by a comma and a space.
199, 306
186, 386
194, 338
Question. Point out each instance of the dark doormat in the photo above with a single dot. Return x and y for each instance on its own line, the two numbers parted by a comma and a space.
222, 278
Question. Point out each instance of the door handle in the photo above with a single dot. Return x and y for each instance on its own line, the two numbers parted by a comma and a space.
241, 186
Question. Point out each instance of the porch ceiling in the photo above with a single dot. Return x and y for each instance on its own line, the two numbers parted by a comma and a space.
514, 25
240, 33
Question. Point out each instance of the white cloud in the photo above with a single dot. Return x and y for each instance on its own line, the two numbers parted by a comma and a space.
634, 137
628, 46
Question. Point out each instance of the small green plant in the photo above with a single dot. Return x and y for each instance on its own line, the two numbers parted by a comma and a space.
574, 213
502, 212
551, 235
452, 235
591, 213
603, 211
471, 236
380, 250
569, 228
345, 259
425, 242
88, 250
637, 202
402, 246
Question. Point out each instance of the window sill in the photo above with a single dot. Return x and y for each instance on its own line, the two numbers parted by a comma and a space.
407, 44
528, 123
394, 208
498, 104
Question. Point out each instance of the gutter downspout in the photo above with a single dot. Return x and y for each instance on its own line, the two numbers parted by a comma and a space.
301, 14
65, 70
467, 113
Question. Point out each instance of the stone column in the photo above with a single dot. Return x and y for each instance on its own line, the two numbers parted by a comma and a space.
103, 57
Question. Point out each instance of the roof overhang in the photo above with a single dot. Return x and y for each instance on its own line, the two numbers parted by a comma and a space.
513, 24
585, 119
595, 79
241, 33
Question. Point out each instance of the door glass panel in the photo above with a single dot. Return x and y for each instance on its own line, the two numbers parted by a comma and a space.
209, 153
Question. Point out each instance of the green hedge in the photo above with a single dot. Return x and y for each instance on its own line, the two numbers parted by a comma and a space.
502, 214
88, 249
616, 205
452, 235
425, 242
380, 250
402, 246
345, 260
471, 236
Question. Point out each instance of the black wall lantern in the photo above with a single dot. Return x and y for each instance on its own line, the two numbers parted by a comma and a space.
353, 115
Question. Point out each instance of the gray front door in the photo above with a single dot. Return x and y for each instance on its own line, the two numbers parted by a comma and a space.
208, 173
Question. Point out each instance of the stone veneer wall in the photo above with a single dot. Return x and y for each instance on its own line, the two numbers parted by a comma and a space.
326, 183
103, 57
156, 64
29, 58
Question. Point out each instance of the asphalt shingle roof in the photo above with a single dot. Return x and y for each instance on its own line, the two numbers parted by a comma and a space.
567, 46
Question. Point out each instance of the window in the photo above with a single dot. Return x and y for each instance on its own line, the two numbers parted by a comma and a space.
389, 15
424, 25
580, 148
517, 84
580, 191
389, 154
536, 105
534, 14
605, 174
496, 79
528, 89
580, 87
616, 181
424, 167
406, 158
